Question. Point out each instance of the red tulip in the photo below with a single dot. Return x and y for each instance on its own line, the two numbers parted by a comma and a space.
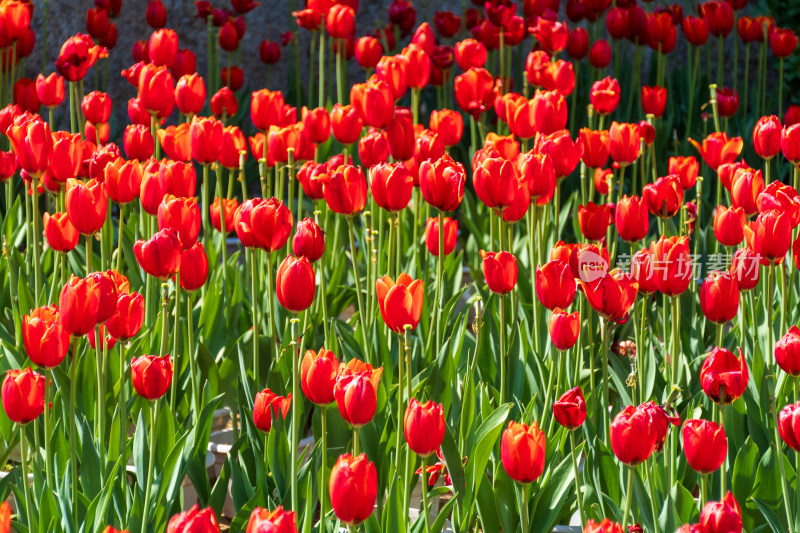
772, 235
265, 224
267, 108
729, 225
654, 100
194, 520
128, 317
719, 297
159, 256
77, 55
268, 405
500, 271
156, 90
308, 240
594, 220
611, 295
277, 521
423, 427
673, 256
474, 90
782, 42
353, 488
605, 95
727, 101
23, 395
391, 186
664, 197
564, 328
346, 123
61, 235
570, 409
632, 219
86, 205
151, 376
606, 526
45, 338
340, 21
624, 143
745, 268
600, 54
432, 235
194, 267
790, 143
594, 147
470, 53
356, 395
724, 516
206, 138
190, 94
368, 51
32, 143
400, 302
746, 186
442, 183
181, 215
718, 149
318, 373
705, 445
345, 190
295, 284
523, 450
787, 352
789, 425
686, 168
564, 153
767, 137
696, 29
400, 135
448, 124
549, 109
723, 376
633, 435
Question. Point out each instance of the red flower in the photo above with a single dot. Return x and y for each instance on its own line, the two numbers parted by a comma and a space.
277, 521
151, 376
718, 149
500, 271
594, 147
61, 235
340, 21
474, 90
423, 427
77, 55
727, 101
632, 218
724, 516
32, 143
268, 405
368, 51
345, 190
789, 425
318, 373
356, 395
719, 297
470, 53
138, 142
664, 197
605, 95
611, 295
391, 186
787, 352
767, 137
522, 451
159, 256
686, 168
705, 445
190, 94
594, 220
264, 224
570, 409
353, 488
400, 302
23, 395
654, 100
600, 54
156, 90
194, 267
633, 435
723, 376
128, 317
346, 123
696, 29
86, 205
45, 338
432, 235
295, 284
782, 42
729, 225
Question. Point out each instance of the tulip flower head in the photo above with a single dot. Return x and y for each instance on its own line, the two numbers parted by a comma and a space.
723, 376
523, 450
570, 409
195, 520
268, 406
424, 427
151, 375
633, 435
353, 488
400, 302
704, 444
276, 521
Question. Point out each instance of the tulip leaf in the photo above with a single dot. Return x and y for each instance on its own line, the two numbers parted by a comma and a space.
453, 461
772, 519
767, 486
552, 495
743, 479
481, 445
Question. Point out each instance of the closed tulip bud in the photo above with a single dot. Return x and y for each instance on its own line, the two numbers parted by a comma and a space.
23, 395
151, 376
705, 445
368, 51
353, 488
594, 147
790, 143
789, 425
782, 42
163, 47
600, 54
50, 90
448, 124
423, 426
500, 271
605, 95
624, 143
194, 267
373, 148
400, 135
61, 235
606, 526
86, 205
106, 290
400, 302
495, 182
686, 168
723, 516
32, 143
267, 223
277, 521
673, 257
156, 90
318, 374
787, 352
631, 218
767, 137
79, 303
611, 295
138, 142
727, 101
718, 149
206, 138
156, 14
729, 225
96, 107
745, 268
594, 220
128, 317
229, 207
470, 53
522, 451
432, 235
633, 435
442, 183
345, 190
570, 409
391, 185
181, 215
474, 90
357, 396
223, 103
654, 100
45, 338
159, 256
555, 285
195, 520
340, 21
268, 406
295, 284
346, 123
723, 376
719, 297
308, 240
564, 328
317, 124
428, 146
772, 235
549, 110
190, 94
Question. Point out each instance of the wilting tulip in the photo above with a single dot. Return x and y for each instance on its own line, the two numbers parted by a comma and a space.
432, 235
194, 267
594, 220
772, 235
423, 427
23, 395
787, 352
723, 376
664, 197
308, 240
718, 149
353, 488
295, 284
268, 405
357, 396
523, 450
633, 435
723, 516
673, 255
719, 297
195, 520
128, 317
318, 373
611, 295
159, 256
277, 521
391, 185
570, 409
151, 375
500, 271
61, 235
400, 302
789, 425
442, 183
705, 445
45, 338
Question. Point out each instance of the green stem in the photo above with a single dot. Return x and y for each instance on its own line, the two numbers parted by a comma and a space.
576, 474
176, 351
152, 463
223, 240
296, 399
164, 320
89, 255
652, 493
119, 238
339, 74
628, 499
206, 220
719, 60
255, 294
273, 335
704, 490
73, 429
359, 297
605, 339
324, 438
321, 70
440, 286
37, 267
48, 458
769, 314
781, 467
406, 472
322, 285
780, 89
425, 506
23, 451
746, 77
99, 342
192, 359
502, 354
123, 409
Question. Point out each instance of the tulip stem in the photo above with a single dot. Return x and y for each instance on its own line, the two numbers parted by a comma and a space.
690, 113
605, 339
223, 240
192, 361
89, 255
704, 490
339, 76
176, 351
355, 441
270, 313
37, 267
321, 69
628, 499
254, 295
206, 220
576, 473
780, 89
746, 76
123, 409
73, 430
322, 283
400, 404
359, 298
296, 399
439, 286
48, 457
769, 314
23, 451
502, 355
164, 322
152, 463
407, 470
425, 505
533, 220
323, 424
121, 225
99, 343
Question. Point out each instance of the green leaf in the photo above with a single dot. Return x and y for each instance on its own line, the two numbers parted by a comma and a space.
772, 519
